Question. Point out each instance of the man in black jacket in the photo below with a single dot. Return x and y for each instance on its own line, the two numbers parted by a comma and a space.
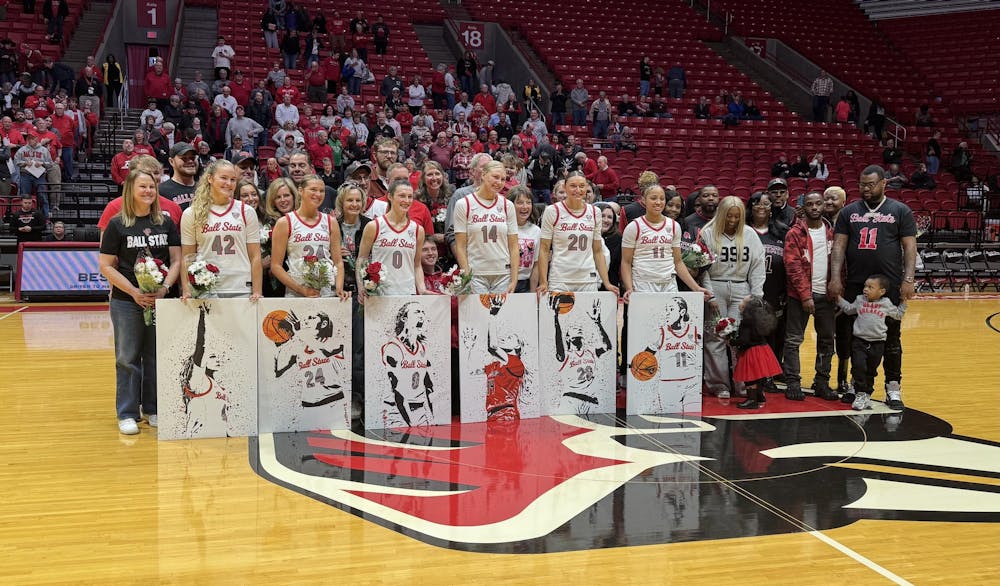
27, 223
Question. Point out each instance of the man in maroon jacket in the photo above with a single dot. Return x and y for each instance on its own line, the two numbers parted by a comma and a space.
158, 84
808, 246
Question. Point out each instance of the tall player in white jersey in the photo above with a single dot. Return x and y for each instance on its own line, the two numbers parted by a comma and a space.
651, 250
486, 235
223, 232
571, 239
393, 240
307, 232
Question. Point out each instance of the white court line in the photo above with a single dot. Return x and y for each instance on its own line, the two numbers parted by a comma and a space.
860, 558
18, 310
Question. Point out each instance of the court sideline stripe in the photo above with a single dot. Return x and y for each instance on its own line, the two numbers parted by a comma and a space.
791, 519
18, 310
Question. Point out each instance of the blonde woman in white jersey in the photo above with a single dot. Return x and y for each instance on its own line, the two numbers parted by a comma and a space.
222, 231
651, 250
307, 232
486, 234
395, 240
571, 239
736, 274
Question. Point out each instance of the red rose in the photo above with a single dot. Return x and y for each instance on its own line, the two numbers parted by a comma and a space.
191, 279
211, 268
374, 269
311, 258
158, 262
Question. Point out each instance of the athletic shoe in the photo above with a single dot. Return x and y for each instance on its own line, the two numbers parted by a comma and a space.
823, 391
723, 394
128, 426
152, 420
848, 393
861, 402
894, 395
770, 386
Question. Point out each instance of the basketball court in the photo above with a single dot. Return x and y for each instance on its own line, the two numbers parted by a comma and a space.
797, 492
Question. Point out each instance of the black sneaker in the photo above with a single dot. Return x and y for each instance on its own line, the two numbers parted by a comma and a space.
823, 391
847, 398
794, 393
770, 387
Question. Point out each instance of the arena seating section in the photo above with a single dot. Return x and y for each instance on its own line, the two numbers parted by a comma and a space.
959, 54
31, 29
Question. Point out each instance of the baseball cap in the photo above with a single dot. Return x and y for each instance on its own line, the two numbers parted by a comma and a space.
355, 166
180, 148
777, 182
244, 157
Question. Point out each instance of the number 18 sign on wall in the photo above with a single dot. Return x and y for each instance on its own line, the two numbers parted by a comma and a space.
473, 35
151, 14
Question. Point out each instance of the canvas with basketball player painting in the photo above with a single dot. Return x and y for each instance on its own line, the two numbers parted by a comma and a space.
407, 361
206, 368
577, 337
304, 364
664, 353
498, 357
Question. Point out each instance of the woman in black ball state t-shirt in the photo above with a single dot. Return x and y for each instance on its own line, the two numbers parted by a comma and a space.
141, 229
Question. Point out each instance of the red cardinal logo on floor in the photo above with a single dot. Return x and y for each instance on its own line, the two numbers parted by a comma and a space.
568, 483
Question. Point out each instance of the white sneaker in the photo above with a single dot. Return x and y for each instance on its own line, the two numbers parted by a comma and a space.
127, 426
861, 402
723, 394
894, 395
152, 420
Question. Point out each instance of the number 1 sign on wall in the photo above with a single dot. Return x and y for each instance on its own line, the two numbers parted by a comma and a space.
151, 14
472, 35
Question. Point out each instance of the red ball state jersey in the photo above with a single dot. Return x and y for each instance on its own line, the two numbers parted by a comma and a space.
503, 388
653, 259
572, 237
395, 249
486, 226
223, 241
874, 239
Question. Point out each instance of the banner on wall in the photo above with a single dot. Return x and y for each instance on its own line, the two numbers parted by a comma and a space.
60, 269
304, 364
206, 368
665, 353
498, 357
407, 361
576, 352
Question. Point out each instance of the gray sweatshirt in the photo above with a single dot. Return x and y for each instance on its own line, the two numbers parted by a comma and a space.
870, 323
731, 264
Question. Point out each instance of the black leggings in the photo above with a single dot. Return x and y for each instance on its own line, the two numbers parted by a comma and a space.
865, 359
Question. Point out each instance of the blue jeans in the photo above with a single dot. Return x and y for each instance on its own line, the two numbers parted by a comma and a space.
354, 86
67, 159
135, 360
558, 119
289, 60
933, 164
643, 87
29, 184
676, 88
579, 117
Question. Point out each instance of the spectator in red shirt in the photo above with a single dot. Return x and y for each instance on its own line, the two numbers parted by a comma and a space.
485, 98
158, 84
9, 135
240, 88
39, 104
440, 151
587, 165
419, 212
606, 179
316, 83
288, 89
331, 70
320, 149
120, 162
66, 126
438, 87
141, 144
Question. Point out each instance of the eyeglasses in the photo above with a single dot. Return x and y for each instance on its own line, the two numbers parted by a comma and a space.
385, 153
762, 204
864, 185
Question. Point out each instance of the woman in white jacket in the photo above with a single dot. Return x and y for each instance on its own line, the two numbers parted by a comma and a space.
736, 274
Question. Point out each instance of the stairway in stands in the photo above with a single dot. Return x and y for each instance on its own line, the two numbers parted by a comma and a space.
88, 34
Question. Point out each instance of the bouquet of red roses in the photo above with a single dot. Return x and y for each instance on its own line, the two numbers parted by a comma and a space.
457, 282
314, 272
727, 329
370, 275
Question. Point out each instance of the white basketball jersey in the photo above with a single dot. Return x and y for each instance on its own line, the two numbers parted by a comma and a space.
308, 239
653, 259
572, 237
486, 225
579, 369
223, 240
396, 251
677, 354
408, 368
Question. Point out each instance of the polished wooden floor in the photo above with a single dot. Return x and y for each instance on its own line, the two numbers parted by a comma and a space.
81, 504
